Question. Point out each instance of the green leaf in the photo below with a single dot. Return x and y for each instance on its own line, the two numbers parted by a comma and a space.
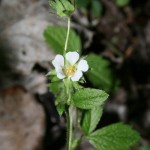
114, 137
100, 75
90, 119
55, 38
60, 108
56, 87
54, 79
89, 98
122, 3
61, 97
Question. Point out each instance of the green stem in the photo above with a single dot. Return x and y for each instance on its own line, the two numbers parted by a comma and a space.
67, 38
70, 108
69, 127
76, 124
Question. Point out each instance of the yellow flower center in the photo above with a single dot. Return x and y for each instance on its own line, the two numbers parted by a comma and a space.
69, 71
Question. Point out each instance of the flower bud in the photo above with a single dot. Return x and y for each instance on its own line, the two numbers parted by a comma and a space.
64, 8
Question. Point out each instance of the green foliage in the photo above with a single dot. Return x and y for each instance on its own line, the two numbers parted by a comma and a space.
58, 89
96, 8
114, 137
60, 108
89, 98
100, 75
147, 147
55, 38
90, 119
82, 3
63, 7
122, 3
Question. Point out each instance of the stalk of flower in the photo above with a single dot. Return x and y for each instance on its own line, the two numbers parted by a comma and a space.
70, 66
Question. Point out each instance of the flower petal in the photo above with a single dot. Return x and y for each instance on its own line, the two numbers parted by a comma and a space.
58, 62
77, 76
60, 73
83, 65
72, 57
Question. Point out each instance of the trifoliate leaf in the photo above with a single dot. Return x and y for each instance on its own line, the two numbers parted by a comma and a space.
90, 119
55, 38
114, 137
89, 98
101, 75
63, 7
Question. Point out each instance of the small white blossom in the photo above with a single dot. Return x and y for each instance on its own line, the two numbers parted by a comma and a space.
70, 66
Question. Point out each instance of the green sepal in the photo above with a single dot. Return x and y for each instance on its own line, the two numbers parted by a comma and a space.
51, 73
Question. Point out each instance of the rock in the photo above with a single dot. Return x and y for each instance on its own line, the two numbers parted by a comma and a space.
22, 120
17, 10
23, 47
23, 9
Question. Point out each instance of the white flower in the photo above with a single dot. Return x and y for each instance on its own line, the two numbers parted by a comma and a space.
70, 66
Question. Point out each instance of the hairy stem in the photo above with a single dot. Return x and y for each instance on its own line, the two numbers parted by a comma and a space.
76, 124
70, 108
69, 127
67, 37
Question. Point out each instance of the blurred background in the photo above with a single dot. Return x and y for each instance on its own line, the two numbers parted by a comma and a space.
116, 31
